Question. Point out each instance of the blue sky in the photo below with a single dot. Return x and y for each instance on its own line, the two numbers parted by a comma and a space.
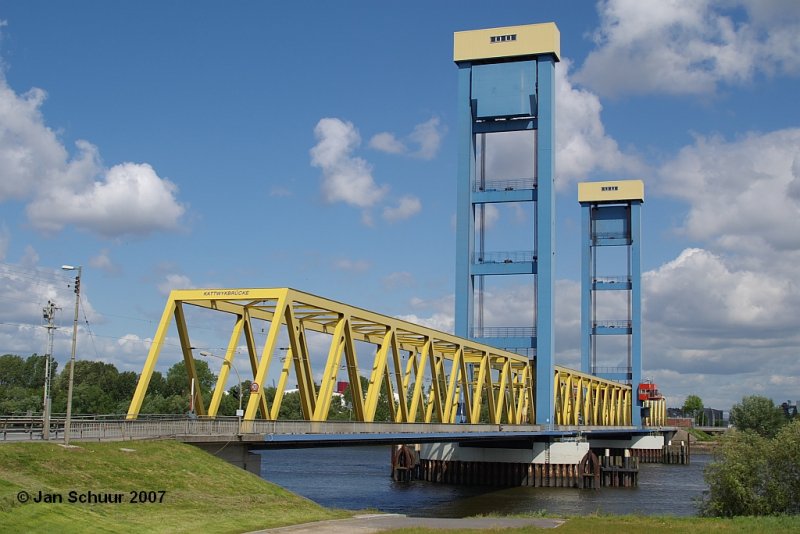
166, 145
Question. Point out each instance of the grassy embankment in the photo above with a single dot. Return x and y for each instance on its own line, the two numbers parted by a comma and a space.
202, 493
703, 442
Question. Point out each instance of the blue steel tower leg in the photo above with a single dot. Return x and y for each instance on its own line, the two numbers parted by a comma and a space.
636, 309
465, 238
545, 235
464, 229
587, 259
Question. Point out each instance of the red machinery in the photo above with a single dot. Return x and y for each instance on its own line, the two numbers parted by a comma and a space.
649, 391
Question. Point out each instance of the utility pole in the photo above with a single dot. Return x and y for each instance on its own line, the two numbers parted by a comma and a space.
48, 313
68, 420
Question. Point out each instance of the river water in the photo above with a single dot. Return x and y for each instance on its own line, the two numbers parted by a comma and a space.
357, 478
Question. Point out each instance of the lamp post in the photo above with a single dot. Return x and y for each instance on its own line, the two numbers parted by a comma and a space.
68, 420
238, 377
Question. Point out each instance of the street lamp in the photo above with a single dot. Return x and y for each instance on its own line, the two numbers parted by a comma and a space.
68, 420
239, 412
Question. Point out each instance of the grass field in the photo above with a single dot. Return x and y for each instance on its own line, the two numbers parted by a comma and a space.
599, 524
201, 492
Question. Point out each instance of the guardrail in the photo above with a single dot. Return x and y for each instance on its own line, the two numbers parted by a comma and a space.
503, 331
123, 430
512, 256
505, 185
216, 429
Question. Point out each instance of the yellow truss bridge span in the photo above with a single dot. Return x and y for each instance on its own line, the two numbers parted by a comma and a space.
424, 373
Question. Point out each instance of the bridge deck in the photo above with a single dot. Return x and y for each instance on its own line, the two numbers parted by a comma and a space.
285, 434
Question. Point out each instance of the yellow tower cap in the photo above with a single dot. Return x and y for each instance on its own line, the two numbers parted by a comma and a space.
611, 191
507, 41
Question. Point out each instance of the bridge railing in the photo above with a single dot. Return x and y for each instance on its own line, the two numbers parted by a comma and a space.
505, 185
229, 428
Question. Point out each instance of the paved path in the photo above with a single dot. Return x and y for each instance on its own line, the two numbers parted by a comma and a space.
364, 524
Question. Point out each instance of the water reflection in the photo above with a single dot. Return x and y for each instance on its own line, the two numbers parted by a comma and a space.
358, 478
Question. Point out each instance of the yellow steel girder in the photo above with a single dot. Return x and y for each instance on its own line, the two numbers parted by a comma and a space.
454, 369
582, 399
440, 362
658, 412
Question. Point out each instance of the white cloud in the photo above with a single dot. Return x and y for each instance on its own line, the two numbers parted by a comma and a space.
582, 144
34, 165
407, 206
719, 320
25, 289
720, 330
5, 239
133, 344
30, 153
700, 292
426, 137
30, 258
443, 322
387, 142
174, 281
439, 313
346, 178
677, 47
741, 194
491, 214
103, 262
132, 199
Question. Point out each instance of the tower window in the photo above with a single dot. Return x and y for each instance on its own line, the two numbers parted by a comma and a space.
502, 38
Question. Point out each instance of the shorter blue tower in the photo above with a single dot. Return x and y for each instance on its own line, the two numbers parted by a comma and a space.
611, 280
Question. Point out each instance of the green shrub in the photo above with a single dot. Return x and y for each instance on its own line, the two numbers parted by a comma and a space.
755, 475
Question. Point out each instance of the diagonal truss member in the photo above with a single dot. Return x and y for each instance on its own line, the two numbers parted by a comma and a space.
424, 373
583, 399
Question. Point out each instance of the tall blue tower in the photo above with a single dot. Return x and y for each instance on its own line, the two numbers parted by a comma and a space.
611, 279
506, 133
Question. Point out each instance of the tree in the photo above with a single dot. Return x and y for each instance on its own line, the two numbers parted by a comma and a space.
290, 407
230, 401
25, 373
754, 475
758, 414
98, 388
21, 383
178, 379
693, 407
12, 370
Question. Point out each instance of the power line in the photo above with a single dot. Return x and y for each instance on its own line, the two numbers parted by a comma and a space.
89, 330
33, 274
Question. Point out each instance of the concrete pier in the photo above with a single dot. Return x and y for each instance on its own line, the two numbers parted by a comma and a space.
238, 454
591, 463
570, 464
